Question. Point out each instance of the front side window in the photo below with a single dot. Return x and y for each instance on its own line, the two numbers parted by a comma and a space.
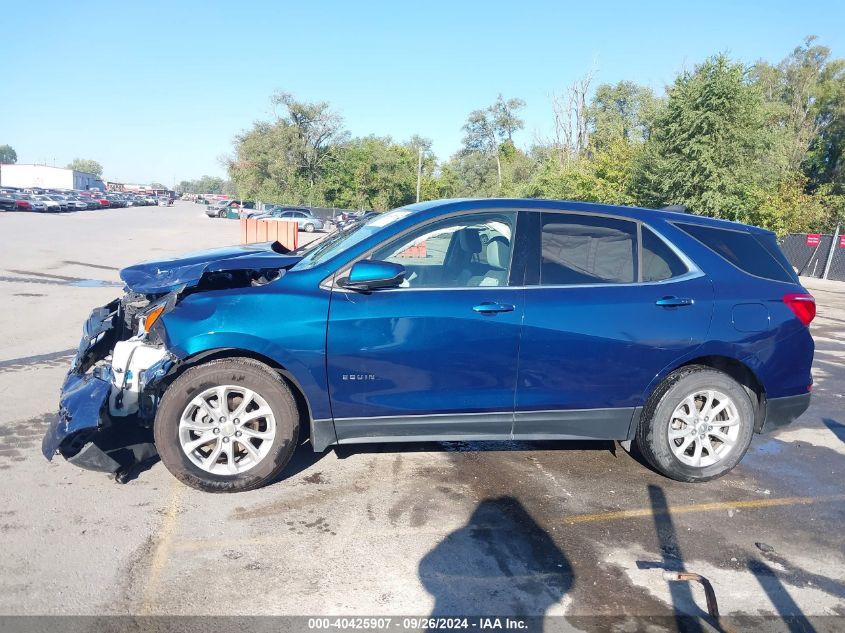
466, 251
586, 249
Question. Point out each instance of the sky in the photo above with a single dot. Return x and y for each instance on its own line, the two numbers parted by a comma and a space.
157, 91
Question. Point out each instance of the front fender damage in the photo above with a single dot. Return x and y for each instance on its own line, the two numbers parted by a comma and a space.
108, 398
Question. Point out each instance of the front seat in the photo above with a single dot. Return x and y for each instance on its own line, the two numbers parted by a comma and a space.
498, 260
462, 257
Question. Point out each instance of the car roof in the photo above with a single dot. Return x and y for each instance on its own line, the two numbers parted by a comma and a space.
436, 207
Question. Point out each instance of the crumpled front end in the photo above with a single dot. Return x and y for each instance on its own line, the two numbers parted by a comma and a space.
107, 401
109, 398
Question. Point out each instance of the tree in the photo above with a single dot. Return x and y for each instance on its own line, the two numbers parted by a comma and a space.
86, 165
487, 130
205, 184
710, 145
620, 111
8, 156
157, 185
372, 173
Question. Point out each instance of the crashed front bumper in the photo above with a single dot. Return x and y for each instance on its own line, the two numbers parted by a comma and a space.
98, 426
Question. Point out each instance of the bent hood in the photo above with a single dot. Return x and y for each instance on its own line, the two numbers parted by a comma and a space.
168, 275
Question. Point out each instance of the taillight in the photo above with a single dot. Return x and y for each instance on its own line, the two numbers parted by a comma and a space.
803, 305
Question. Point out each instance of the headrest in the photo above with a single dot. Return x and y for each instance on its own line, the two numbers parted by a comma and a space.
470, 240
498, 252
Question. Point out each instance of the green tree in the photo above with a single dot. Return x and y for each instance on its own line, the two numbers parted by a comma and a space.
711, 144
487, 130
86, 165
8, 156
372, 173
620, 111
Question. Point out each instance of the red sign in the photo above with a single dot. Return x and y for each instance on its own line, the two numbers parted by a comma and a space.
814, 239
842, 241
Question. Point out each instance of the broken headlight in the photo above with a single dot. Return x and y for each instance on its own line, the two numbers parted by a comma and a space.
154, 311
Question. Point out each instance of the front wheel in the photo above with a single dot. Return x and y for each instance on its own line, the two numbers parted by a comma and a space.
309, 228
697, 425
222, 214
227, 426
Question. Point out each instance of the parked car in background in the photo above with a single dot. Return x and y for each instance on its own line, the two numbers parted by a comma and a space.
165, 201
228, 208
29, 203
76, 204
7, 201
51, 205
63, 200
305, 220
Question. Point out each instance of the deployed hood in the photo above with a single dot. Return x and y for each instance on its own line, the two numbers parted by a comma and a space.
168, 275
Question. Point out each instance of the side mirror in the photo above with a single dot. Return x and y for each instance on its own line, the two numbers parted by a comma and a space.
369, 274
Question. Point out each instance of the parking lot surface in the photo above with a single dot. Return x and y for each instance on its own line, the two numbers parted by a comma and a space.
549, 528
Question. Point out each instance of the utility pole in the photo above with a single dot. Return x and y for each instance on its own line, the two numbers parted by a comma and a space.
419, 173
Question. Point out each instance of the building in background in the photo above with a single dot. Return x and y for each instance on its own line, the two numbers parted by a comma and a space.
47, 177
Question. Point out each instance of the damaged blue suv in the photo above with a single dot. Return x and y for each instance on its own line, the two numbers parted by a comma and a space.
447, 320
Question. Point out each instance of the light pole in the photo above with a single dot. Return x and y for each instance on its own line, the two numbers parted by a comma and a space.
419, 173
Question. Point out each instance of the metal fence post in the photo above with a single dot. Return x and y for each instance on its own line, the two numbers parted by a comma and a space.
831, 251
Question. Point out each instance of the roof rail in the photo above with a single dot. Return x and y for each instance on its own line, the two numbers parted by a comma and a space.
677, 208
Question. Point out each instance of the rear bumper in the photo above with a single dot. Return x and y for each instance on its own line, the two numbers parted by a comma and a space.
782, 411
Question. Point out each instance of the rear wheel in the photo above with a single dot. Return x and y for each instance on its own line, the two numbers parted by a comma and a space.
697, 425
309, 228
221, 213
227, 426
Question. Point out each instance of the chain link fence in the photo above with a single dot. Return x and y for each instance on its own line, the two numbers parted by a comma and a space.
809, 254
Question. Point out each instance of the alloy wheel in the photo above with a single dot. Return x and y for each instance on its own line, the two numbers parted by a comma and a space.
704, 428
227, 430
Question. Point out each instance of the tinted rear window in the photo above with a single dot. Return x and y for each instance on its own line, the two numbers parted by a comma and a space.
744, 251
583, 249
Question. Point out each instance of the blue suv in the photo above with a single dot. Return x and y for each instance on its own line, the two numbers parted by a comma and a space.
447, 320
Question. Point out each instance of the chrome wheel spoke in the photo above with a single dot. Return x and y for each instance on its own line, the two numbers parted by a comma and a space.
724, 439
261, 435
248, 398
676, 434
260, 412
248, 446
229, 451
213, 456
200, 441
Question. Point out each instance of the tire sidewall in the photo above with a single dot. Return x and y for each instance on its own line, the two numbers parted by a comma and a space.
195, 381
658, 448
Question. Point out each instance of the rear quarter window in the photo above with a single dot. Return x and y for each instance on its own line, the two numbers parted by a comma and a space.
747, 251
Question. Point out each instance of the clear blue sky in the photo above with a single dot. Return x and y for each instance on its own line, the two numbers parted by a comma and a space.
157, 90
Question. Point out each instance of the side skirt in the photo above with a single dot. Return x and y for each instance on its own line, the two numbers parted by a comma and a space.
575, 424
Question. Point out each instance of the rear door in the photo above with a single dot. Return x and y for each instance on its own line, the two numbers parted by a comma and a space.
435, 358
608, 306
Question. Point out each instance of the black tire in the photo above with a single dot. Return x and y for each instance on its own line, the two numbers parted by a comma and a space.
309, 228
653, 441
222, 213
240, 371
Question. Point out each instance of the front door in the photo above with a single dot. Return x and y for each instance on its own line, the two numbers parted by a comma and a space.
610, 306
436, 357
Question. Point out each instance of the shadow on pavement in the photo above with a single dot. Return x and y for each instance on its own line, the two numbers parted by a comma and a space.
500, 563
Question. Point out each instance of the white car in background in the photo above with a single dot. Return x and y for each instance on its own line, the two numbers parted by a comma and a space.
51, 206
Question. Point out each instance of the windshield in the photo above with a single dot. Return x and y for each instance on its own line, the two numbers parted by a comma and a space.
322, 250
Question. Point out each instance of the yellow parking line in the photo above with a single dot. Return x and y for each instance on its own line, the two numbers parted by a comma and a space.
162, 547
697, 507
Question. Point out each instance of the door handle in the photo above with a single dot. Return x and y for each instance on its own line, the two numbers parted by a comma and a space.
674, 302
489, 307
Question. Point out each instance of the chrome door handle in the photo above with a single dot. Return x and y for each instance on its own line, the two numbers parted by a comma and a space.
489, 307
674, 302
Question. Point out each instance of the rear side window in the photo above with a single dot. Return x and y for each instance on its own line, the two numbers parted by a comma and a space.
742, 250
659, 261
584, 249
